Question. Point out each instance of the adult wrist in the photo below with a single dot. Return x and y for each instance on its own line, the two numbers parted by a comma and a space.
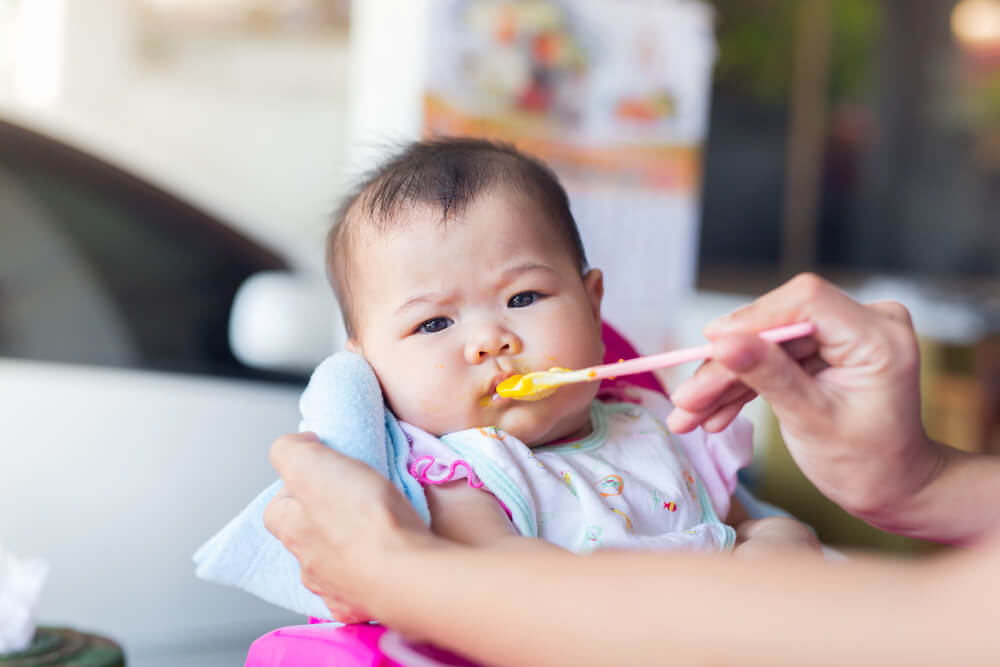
392, 588
894, 500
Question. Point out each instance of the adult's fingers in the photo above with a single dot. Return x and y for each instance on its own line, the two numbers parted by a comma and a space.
723, 417
800, 348
714, 385
288, 450
307, 466
807, 297
284, 517
682, 421
723, 413
765, 368
344, 612
813, 365
707, 393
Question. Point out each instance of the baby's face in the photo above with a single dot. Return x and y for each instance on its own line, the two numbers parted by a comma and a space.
445, 312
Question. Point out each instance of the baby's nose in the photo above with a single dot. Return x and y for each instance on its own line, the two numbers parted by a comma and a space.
491, 343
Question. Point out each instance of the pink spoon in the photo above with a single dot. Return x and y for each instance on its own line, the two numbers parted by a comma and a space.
538, 385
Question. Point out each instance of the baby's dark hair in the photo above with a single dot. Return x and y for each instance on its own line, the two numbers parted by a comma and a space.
446, 173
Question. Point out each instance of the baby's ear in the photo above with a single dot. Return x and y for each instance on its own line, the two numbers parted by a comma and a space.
593, 283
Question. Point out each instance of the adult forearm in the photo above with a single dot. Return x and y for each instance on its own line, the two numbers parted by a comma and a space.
959, 501
642, 608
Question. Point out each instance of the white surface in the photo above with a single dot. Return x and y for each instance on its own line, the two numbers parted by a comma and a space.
116, 477
21, 581
649, 270
388, 55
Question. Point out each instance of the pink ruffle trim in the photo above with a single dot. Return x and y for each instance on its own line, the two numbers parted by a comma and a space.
420, 467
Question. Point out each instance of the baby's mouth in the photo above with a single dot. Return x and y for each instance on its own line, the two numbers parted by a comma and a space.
497, 379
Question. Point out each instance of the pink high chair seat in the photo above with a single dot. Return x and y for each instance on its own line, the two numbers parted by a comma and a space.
319, 644
615, 348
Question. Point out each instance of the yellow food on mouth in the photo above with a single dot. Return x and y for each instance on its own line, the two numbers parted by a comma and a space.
530, 387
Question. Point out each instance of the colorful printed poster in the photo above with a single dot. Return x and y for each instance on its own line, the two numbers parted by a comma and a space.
613, 95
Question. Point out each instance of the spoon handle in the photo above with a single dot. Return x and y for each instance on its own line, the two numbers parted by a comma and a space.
683, 356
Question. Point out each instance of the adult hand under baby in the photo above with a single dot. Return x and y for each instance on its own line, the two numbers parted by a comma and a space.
774, 535
848, 401
339, 518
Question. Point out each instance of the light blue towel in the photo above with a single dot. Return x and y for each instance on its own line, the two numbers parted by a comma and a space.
343, 406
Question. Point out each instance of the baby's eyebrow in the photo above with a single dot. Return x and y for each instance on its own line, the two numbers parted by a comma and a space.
440, 298
524, 267
426, 297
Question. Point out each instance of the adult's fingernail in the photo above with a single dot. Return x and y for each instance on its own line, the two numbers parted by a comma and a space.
677, 422
681, 394
738, 361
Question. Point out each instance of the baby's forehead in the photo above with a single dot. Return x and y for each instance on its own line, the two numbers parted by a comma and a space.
372, 231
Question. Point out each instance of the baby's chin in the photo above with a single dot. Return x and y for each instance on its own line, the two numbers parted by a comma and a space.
534, 429
527, 428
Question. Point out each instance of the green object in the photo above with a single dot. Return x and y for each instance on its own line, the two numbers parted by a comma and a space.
63, 646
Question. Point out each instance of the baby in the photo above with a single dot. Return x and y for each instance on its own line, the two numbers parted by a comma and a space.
458, 264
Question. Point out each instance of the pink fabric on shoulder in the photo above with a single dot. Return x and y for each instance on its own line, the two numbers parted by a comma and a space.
718, 457
433, 462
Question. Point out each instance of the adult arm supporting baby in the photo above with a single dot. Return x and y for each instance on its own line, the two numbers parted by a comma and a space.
365, 542
655, 608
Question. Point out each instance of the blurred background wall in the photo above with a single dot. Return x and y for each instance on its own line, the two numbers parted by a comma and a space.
249, 98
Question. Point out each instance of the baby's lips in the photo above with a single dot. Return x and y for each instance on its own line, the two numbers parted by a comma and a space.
508, 384
496, 380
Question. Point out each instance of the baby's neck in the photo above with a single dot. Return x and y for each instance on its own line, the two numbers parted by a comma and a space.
579, 434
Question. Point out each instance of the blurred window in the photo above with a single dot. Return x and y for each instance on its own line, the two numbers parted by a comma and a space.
98, 267
854, 137
7, 42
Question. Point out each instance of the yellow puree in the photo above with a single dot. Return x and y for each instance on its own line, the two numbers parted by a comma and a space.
530, 387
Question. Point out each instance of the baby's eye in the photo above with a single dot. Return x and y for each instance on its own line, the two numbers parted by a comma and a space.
523, 299
434, 325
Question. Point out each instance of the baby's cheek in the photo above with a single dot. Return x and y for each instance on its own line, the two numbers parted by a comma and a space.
413, 408
441, 416
578, 397
432, 404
